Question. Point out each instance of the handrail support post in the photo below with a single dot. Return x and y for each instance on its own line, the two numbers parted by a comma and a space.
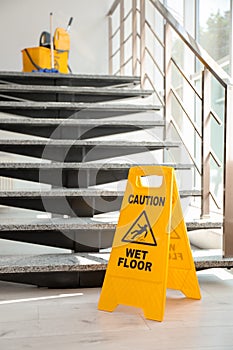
206, 108
122, 37
110, 63
142, 41
228, 175
134, 37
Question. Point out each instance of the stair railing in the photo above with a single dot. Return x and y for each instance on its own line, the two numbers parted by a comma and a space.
130, 22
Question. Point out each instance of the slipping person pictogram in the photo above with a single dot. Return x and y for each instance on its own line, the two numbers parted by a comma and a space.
140, 231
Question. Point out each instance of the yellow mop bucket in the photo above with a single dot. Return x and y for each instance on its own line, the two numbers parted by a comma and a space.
52, 54
37, 58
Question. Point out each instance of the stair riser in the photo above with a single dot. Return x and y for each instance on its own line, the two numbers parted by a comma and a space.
70, 178
58, 279
72, 206
75, 153
72, 132
67, 177
75, 206
75, 240
45, 112
37, 78
59, 97
80, 237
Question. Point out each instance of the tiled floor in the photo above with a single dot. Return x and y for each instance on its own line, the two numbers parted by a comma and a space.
33, 318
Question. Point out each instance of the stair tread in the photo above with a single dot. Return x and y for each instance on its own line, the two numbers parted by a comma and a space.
60, 192
75, 192
75, 175
78, 78
87, 165
16, 83
89, 262
190, 193
118, 143
83, 223
79, 150
51, 262
76, 129
79, 122
79, 106
74, 89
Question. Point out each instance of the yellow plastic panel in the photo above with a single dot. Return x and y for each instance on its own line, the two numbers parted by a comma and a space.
151, 250
137, 269
181, 268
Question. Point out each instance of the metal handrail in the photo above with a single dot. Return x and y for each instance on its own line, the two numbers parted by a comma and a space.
154, 61
216, 118
127, 15
115, 53
181, 104
127, 38
215, 158
202, 55
153, 32
186, 78
113, 7
115, 33
127, 61
215, 200
154, 89
211, 69
198, 51
187, 149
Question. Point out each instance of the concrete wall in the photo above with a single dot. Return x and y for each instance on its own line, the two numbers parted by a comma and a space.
22, 21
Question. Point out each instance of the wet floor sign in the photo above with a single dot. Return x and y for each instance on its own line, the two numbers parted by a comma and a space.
151, 250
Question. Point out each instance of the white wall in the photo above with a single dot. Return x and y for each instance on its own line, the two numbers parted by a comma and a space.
22, 21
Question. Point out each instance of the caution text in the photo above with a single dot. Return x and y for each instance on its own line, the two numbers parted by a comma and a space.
135, 259
173, 254
146, 200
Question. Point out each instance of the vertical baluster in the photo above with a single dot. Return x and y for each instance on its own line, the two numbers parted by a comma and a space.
134, 37
142, 41
167, 72
110, 52
206, 108
228, 175
167, 111
122, 35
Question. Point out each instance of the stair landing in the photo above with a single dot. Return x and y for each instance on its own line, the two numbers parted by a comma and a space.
81, 269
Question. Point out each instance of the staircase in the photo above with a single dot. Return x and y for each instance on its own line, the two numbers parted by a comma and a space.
69, 141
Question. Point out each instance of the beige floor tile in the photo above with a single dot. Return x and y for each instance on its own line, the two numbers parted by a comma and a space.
50, 319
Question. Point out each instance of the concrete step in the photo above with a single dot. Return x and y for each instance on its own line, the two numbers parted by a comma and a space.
79, 269
82, 150
79, 228
10, 92
77, 234
74, 174
75, 129
71, 202
74, 110
37, 78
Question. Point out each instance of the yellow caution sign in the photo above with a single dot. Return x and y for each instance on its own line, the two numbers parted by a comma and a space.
151, 250
181, 268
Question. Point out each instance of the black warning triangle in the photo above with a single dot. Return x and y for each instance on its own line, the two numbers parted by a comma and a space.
140, 232
174, 235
